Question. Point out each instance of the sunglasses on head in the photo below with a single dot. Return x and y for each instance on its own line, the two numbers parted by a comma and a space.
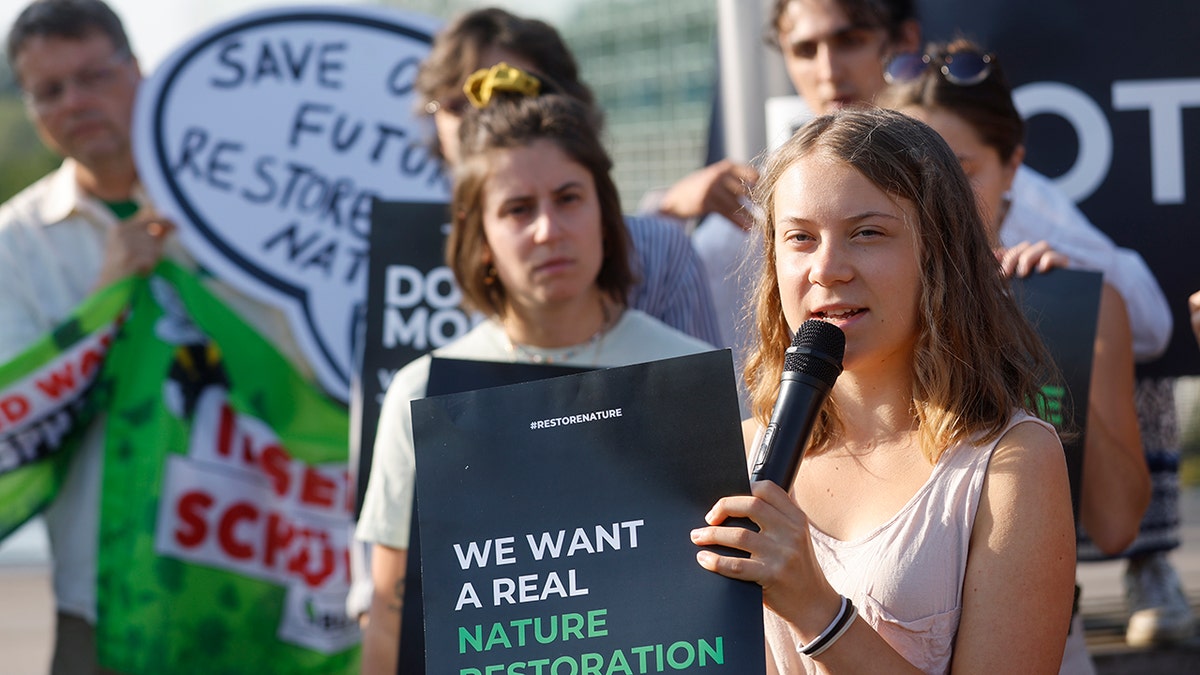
965, 68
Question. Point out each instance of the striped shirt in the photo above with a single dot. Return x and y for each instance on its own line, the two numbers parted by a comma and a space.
671, 282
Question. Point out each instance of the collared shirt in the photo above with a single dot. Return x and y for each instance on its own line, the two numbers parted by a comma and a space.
672, 285
51, 249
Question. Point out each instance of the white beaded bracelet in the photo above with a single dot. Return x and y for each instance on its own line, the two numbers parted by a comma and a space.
836, 629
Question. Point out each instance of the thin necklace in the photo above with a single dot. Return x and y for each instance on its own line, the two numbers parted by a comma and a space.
551, 356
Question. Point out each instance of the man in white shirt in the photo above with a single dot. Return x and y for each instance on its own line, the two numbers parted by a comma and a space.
73, 232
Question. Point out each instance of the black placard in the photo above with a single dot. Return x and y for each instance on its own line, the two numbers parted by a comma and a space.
1064, 307
609, 469
451, 376
405, 272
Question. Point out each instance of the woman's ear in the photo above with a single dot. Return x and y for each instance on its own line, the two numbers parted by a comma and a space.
490, 275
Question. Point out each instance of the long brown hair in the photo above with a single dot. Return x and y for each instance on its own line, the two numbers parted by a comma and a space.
976, 359
512, 121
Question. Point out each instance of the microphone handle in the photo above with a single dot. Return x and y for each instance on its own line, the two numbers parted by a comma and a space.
800, 399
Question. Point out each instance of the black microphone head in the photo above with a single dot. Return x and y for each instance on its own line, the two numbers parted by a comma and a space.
817, 350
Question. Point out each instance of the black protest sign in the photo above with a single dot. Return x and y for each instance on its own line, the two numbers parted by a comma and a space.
1064, 307
451, 376
555, 520
413, 306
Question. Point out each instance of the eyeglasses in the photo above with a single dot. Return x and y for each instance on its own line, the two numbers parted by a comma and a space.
45, 96
965, 68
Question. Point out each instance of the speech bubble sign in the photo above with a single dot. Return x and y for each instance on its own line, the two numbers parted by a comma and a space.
267, 137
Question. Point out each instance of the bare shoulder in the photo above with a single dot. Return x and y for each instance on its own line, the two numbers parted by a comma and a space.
1027, 473
1018, 583
1028, 447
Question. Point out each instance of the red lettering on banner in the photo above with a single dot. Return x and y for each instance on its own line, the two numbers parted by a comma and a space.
248, 457
14, 408
299, 565
225, 425
58, 383
63, 382
276, 463
90, 363
238, 512
191, 513
248, 534
318, 490
279, 536
245, 442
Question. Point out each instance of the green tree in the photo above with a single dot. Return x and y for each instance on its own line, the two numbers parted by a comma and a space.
23, 158
8, 83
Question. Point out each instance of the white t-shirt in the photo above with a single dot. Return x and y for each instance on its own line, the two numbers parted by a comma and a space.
387, 505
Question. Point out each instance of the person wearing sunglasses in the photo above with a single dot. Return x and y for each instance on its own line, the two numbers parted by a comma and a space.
962, 92
837, 53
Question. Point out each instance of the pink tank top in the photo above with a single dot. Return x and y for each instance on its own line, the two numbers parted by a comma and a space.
906, 576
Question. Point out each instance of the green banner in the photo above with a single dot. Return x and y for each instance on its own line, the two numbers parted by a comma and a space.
227, 501
45, 404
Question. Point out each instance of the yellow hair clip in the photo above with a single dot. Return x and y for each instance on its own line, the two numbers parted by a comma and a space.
501, 77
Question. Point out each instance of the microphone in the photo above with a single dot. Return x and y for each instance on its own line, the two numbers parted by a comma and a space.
810, 367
